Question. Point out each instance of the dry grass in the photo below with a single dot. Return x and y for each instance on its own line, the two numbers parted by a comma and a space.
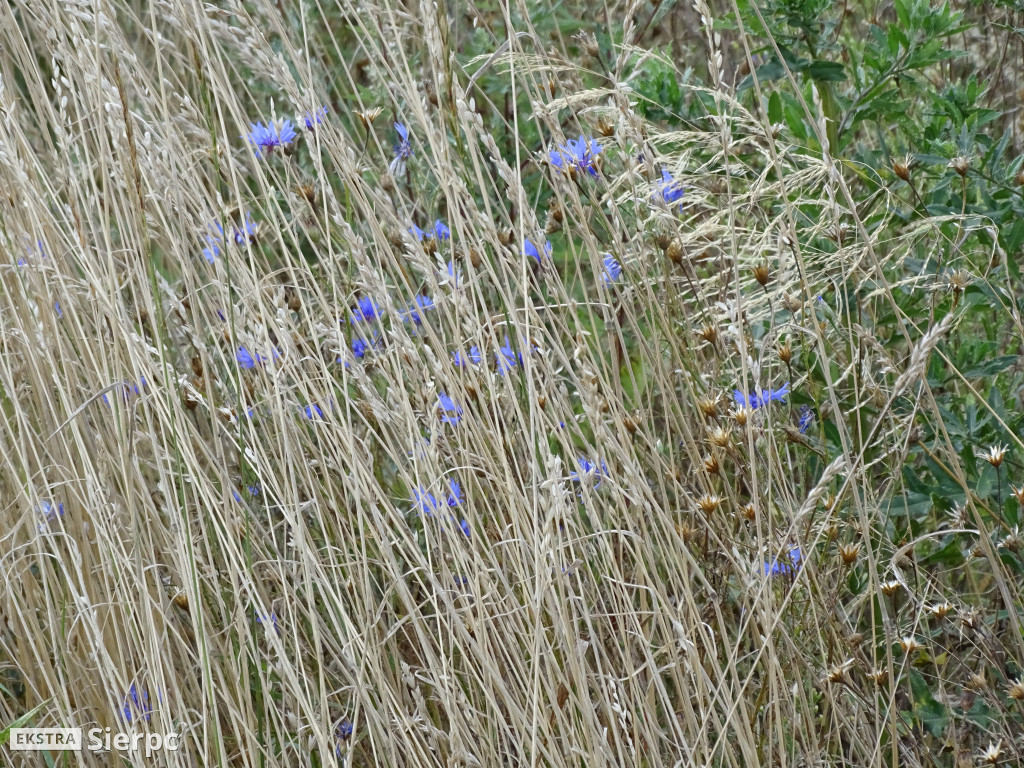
616, 620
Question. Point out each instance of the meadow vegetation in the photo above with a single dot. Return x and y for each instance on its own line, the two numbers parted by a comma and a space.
472, 384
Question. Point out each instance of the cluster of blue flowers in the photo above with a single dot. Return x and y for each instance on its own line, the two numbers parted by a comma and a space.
267, 138
427, 504
268, 620
136, 705
784, 565
247, 360
438, 232
590, 471
451, 412
579, 154
216, 241
761, 398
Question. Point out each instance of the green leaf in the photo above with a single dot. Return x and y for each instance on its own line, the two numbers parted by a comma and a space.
830, 71
26, 719
930, 712
991, 368
775, 116
948, 555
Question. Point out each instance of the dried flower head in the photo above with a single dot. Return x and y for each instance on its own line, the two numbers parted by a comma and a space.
992, 753
748, 512
976, 682
958, 280
720, 436
909, 644
1018, 494
848, 553
762, 274
1012, 540
709, 407
708, 333
708, 503
878, 676
994, 455
902, 168
740, 415
366, 117
941, 610
890, 588
839, 673
785, 353
674, 252
792, 304
960, 164
711, 465
1016, 689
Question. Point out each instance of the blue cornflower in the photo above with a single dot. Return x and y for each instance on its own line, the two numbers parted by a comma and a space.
612, 270
438, 232
464, 526
404, 148
136, 704
761, 398
588, 469
268, 137
360, 347
578, 154
507, 358
128, 389
424, 501
531, 250
427, 503
421, 302
314, 118
246, 359
211, 251
451, 412
366, 309
214, 242
49, 512
474, 356
785, 564
267, 619
453, 274
806, 418
455, 496
57, 309
669, 190
343, 732
247, 232
403, 151
313, 411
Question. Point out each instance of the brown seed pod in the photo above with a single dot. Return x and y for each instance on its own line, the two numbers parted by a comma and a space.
902, 169
674, 252
762, 274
